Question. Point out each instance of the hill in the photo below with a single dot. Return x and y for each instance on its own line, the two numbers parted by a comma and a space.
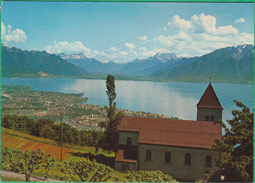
24, 144
17, 62
11, 138
23, 141
91, 64
226, 65
145, 67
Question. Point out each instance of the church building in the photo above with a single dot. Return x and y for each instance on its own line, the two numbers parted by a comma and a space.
179, 148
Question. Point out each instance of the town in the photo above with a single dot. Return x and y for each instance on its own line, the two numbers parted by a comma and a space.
23, 101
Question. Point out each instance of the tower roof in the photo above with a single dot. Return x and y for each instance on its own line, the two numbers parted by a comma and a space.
209, 99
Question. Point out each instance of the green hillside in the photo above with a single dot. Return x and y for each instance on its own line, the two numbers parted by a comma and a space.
17, 62
8, 72
223, 65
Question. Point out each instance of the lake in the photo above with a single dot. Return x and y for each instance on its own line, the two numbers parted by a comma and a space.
176, 99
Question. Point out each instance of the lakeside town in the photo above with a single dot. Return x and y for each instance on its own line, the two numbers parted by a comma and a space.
23, 101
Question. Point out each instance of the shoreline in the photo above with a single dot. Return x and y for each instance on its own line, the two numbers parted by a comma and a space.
23, 101
130, 79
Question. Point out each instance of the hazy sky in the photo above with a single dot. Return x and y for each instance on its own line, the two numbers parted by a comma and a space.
124, 31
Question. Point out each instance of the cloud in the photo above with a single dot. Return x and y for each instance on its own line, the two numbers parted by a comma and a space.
243, 38
240, 20
176, 21
143, 38
194, 37
16, 36
2, 30
207, 24
142, 49
130, 46
112, 49
165, 41
172, 41
226, 30
144, 53
202, 24
64, 46
97, 53
199, 36
181, 36
78, 47
199, 44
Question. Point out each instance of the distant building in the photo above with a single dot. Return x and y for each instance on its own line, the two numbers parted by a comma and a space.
179, 148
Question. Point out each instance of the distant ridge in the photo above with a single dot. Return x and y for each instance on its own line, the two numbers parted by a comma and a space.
225, 65
22, 62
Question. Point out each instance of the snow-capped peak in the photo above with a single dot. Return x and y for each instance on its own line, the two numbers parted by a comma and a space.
72, 56
164, 57
237, 52
6, 45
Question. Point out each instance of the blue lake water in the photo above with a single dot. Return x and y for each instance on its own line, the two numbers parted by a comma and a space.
177, 99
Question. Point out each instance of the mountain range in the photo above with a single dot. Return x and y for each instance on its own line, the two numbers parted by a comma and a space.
18, 63
144, 67
226, 65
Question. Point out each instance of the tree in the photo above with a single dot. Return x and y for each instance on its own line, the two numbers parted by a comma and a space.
9, 158
111, 125
47, 132
27, 162
110, 86
18, 123
148, 176
44, 127
70, 134
86, 171
236, 147
85, 138
90, 137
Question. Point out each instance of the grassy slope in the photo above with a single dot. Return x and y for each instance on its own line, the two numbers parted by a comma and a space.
55, 173
75, 148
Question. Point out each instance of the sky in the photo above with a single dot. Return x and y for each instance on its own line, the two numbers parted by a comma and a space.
124, 31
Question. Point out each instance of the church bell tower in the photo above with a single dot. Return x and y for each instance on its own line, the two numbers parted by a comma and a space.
209, 107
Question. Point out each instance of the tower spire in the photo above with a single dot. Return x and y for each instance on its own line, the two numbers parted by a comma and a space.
209, 107
210, 79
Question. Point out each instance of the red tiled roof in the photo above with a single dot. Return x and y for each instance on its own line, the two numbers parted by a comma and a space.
184, 133
209, 99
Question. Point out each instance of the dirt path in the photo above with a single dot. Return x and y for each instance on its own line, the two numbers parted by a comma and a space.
22, 176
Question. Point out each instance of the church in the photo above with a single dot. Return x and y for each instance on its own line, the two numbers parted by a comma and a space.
179, 148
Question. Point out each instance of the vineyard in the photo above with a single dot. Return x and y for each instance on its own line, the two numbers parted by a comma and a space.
76, 157
24, 144
14, 139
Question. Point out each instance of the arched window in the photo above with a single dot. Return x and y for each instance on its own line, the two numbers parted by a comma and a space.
129, 141
167, 157
208, 160
207, 118
148, 154
187, 159
212, 118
